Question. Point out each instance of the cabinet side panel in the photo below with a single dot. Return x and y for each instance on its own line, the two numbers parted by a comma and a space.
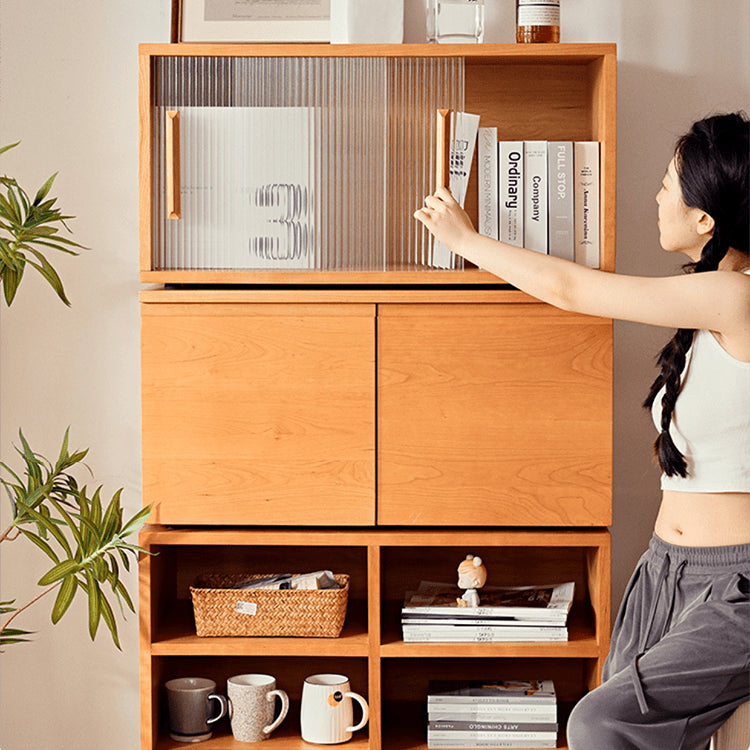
494, 415
254, 418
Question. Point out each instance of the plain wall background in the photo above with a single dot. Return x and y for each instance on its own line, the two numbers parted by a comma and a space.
68, 89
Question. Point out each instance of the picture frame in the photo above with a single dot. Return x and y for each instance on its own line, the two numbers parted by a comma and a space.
250, 21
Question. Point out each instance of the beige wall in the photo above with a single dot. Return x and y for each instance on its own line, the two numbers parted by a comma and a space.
68, 89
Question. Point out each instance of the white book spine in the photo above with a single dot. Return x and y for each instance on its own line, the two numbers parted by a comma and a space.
560, 173
510, 187
487, 171
463, 712
477, 635
535, 196
455, 744
501, 736
586, 193
463, 725
464, 129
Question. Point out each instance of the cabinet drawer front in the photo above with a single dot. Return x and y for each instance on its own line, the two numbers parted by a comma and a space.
493, 415
259, 414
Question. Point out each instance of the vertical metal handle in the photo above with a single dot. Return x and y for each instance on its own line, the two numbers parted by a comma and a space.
442, 148
173, 164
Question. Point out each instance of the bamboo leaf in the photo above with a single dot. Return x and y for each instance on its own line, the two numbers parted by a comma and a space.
136, 522
44, 189
66, 567
3, 149
64, 598
92, 589
109, 619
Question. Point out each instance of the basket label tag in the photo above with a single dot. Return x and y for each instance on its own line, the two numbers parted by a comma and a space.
247, 608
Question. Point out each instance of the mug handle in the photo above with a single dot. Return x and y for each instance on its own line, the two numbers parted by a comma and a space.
365, 711
223, 707
284, 709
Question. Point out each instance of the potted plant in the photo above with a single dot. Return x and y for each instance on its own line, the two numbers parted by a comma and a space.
84, 536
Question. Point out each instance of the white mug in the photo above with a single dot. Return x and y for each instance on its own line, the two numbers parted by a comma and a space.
252, 704
327, 712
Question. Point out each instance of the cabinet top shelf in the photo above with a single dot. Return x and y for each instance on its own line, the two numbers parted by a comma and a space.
571, 53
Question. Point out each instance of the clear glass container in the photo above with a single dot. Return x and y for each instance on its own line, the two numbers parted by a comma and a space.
455, 21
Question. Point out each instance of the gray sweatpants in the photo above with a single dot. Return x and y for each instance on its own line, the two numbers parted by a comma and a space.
679, 662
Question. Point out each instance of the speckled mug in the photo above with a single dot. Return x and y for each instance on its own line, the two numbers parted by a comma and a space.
252, 704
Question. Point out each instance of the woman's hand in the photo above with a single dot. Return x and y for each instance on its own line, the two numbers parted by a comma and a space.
442, 216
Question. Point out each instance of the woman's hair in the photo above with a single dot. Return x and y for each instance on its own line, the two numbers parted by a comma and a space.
712, 165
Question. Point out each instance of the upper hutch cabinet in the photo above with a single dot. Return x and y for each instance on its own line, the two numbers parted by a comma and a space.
304, 163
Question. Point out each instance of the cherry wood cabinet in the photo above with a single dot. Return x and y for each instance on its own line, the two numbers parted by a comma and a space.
382, 422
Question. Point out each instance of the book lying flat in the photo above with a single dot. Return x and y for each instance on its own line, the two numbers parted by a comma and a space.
548, 604
523, 713
480, 634
500, 692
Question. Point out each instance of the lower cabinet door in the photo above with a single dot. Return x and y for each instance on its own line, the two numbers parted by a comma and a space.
259, 413
493, 414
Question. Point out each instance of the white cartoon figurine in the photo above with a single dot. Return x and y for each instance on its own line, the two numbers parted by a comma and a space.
472, 575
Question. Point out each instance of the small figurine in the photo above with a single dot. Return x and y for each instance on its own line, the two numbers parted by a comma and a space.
472, 575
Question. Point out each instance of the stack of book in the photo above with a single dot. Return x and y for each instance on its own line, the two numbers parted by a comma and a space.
505, 613
492, 714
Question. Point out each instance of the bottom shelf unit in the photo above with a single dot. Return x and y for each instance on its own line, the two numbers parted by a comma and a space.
383, 564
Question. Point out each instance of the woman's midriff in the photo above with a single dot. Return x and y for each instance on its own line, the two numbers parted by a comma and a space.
704, 519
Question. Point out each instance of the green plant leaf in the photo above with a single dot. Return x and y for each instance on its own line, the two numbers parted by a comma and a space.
44, 189
95, 610
109, 619
64, 598
66, 567
3, 149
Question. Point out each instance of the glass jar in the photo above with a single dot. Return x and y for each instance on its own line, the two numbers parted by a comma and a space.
455, 21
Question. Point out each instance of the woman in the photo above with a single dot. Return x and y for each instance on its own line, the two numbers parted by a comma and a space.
680, 655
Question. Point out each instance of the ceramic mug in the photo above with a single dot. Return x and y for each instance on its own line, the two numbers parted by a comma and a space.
251, 706
327, 711
189, 708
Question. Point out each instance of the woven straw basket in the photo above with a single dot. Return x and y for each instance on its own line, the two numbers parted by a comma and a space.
224, 611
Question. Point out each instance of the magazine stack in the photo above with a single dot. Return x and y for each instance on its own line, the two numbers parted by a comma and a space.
492, 714
436, 612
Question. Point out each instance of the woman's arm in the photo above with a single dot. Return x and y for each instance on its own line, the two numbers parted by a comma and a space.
716, 301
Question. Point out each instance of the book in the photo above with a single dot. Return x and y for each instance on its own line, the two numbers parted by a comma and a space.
586, 197
480, 634
464, 129
496, 692
491, 726
560, 199
456, 744
520, 712
487, 182
546, 604
511, 192
535, 197
450, 734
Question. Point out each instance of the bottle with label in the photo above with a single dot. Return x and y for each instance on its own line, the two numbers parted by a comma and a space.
537, 21
455, 21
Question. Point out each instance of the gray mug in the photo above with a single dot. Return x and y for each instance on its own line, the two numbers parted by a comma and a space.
189, 708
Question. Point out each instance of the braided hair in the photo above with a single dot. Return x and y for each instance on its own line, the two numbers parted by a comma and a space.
712, 165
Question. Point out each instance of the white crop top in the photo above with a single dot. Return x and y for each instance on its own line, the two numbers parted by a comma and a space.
711, 420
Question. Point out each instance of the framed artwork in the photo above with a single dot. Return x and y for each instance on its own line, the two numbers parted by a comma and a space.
251, 20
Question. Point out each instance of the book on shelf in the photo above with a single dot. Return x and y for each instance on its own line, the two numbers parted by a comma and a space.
494, 692
523, 713
535, 197
586, 192
466, 633
470, 744
540, 604
464, 128
466, 725
560, 199
487, 153
511, 191
473, 734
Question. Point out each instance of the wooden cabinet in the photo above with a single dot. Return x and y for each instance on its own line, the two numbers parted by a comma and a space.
380, 420
382, 563
259, 413
493, 414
